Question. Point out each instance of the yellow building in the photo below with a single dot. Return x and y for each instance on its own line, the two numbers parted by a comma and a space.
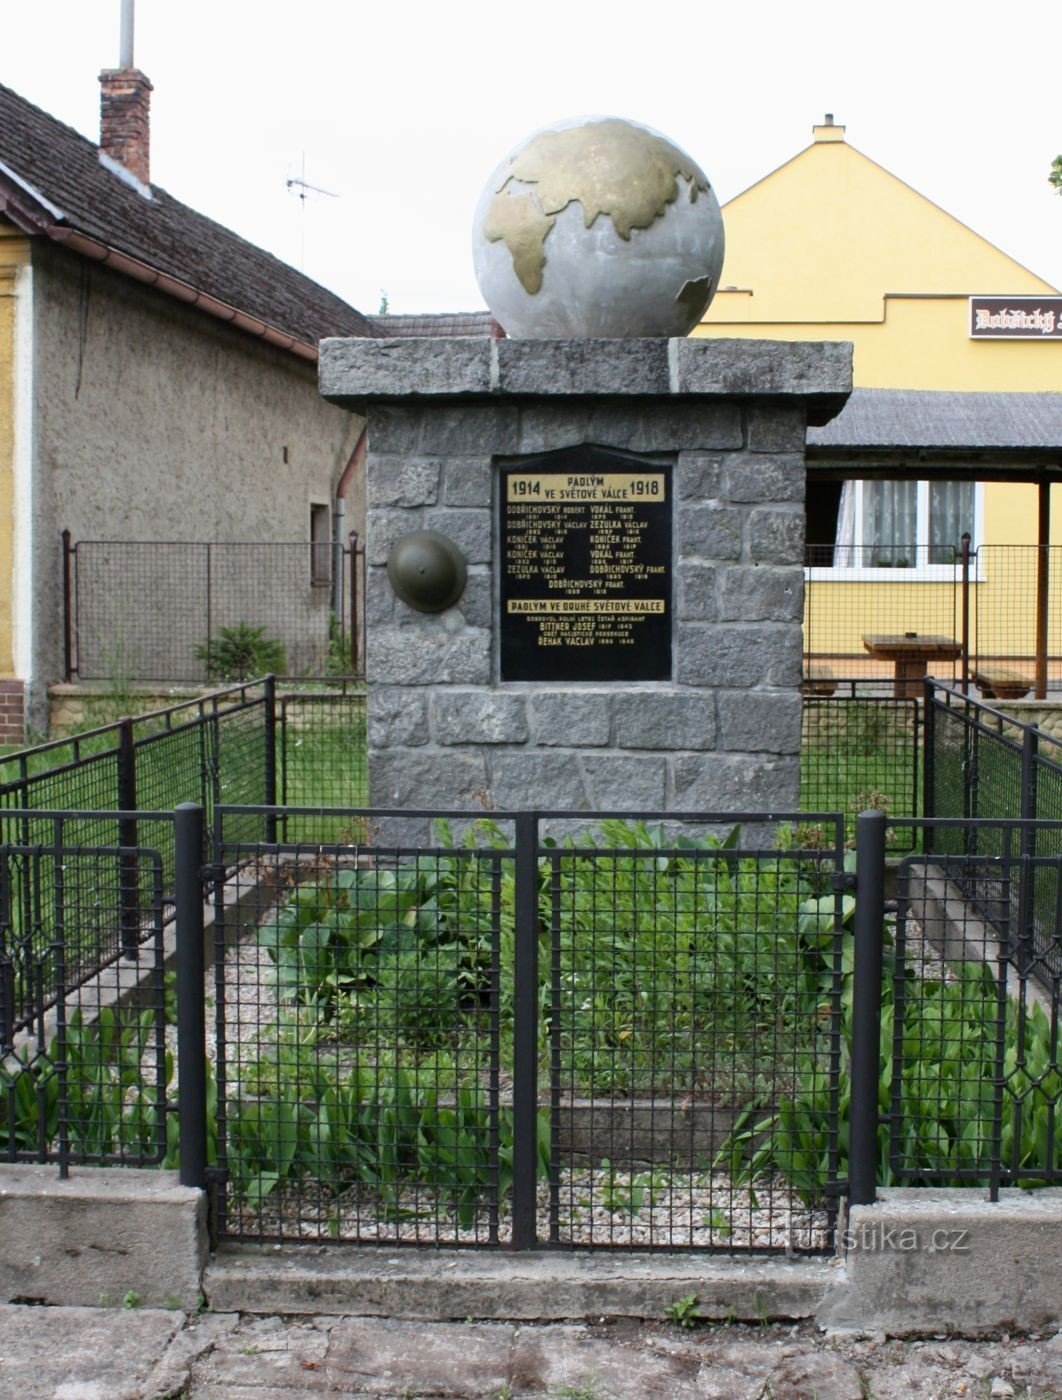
951, 408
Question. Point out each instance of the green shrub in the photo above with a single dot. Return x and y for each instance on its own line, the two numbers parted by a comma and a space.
240, 653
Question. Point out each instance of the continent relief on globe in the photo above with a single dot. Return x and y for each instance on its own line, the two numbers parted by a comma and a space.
609, 167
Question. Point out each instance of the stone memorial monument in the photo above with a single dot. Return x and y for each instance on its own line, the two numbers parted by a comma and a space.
585, 542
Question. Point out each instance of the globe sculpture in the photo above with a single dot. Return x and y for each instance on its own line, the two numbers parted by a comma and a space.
598, 227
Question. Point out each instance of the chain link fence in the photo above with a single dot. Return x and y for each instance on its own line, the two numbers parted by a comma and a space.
164, 610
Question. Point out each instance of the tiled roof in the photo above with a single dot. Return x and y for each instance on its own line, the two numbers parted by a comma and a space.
443, 324
52, 182
944, 421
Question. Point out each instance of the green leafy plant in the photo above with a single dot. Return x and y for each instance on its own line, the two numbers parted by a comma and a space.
240, 652
946, 1089
376, 1127
624, 1193
112, 1108
113, 1093
339, 660
683, 1312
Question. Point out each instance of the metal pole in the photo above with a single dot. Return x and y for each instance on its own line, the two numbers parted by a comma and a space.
966, 612
354, 602
125, 48
1030, 773
525, 1034
209, 598
929, 743
866, 1008
270, 756
1043, 566
336, 591
68, 604
128, 864
189, 834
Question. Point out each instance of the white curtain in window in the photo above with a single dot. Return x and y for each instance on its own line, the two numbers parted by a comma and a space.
951, 513
890, 522
844, 550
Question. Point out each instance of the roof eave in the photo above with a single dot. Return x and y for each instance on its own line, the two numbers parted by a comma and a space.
23, 210
886, 463
33, 218
181, 291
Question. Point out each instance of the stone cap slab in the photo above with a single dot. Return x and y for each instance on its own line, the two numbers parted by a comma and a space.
357, 372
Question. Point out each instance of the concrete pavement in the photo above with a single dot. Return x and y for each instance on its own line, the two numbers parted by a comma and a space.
129, 1353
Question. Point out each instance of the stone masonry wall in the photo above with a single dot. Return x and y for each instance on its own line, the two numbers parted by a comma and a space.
722, 735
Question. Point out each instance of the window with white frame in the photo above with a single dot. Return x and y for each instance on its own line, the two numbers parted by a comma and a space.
320, 544
901, 529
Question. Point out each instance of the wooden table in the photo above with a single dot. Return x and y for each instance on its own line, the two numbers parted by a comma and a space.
911, 653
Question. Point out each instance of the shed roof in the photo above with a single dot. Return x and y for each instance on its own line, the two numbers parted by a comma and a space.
52, 183
447, 323
1009, 430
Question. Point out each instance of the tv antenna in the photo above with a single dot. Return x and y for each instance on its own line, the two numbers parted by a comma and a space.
299, 186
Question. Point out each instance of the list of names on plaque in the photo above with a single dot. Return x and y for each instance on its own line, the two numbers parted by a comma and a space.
585, 569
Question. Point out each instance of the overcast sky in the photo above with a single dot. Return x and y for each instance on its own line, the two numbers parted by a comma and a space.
403, 108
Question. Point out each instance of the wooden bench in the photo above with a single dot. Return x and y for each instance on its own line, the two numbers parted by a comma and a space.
1000, 683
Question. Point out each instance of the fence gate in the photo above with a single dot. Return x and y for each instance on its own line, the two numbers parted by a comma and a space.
514, 1040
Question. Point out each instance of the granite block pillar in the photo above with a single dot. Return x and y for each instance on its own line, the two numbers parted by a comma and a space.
720, 425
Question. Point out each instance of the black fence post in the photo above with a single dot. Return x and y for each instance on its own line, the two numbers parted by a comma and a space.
270, 756
1030, 774
68, 608
866, 1008
525, 1034
965, 636
189, 836
128, 864
929, 754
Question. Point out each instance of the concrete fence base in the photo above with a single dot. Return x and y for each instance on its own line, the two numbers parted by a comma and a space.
932, 1261
104, 1237
919, 1261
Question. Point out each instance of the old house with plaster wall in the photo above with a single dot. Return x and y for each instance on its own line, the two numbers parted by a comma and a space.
157, 384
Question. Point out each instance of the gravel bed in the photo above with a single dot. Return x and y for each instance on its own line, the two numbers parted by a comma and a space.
704, 1211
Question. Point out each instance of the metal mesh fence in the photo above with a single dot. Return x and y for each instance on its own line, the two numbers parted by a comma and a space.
1003, 611
242, 745
686, 1012
855, 599
84, 1070
987, 767
861, 750
323, 748
860, 605
972, 1003
182, 611
360, 1016
370, 999
80, 773
192, 752
575, 1030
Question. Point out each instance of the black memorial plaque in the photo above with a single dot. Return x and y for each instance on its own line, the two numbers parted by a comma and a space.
585, 568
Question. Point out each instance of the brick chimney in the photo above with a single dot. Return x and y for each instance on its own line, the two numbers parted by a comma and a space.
125, 126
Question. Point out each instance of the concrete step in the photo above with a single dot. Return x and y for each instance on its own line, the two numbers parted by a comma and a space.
538, 1286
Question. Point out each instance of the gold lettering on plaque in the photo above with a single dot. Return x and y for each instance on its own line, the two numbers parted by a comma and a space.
597, 487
